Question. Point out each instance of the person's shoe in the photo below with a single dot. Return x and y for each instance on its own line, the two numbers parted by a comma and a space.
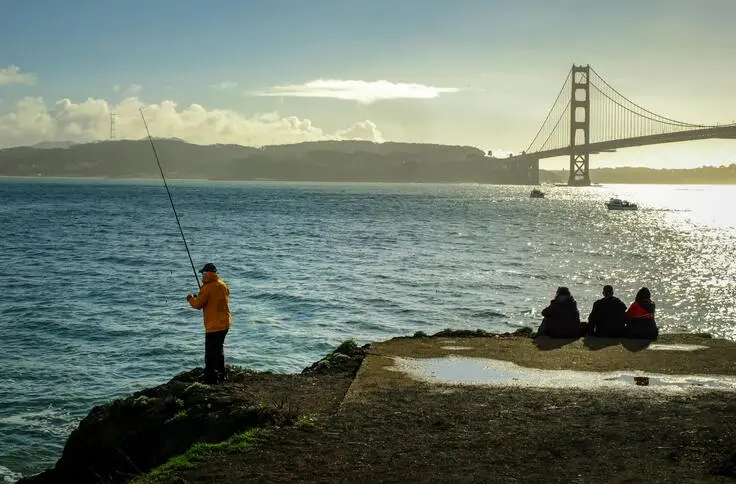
209, 379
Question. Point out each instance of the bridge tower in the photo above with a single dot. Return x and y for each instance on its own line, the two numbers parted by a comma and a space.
580, 126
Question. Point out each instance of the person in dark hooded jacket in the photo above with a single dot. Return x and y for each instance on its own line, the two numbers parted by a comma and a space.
561, 317
607, 320
640, 322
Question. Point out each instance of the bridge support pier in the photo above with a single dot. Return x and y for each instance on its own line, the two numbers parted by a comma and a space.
533, 170
580, 125
579, 170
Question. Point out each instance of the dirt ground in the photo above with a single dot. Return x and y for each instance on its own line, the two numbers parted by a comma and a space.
393, 429
585, 354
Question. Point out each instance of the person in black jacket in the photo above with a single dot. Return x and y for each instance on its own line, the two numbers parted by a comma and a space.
561, 317
607, 319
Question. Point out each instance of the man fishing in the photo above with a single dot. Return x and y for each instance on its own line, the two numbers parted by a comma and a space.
214, 300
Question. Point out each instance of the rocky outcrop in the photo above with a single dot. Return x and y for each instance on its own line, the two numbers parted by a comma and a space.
479, 333
123, 438
130, 436
345, 359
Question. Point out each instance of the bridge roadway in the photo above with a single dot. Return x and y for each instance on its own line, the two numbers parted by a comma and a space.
718, 132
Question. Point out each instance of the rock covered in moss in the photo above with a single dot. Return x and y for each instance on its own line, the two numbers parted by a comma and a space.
134, 434
346, 358
479, 333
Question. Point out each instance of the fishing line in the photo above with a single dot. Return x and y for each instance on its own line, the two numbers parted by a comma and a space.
170, 199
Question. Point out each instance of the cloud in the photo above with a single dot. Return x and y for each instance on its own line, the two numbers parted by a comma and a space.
133, 90
366, 130
31, 121
224, 85
365, 92
12, 75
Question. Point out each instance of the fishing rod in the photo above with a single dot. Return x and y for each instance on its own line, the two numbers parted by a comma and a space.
170, 199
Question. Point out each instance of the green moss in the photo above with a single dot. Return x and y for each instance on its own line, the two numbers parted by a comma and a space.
180, 415
199, 452
197, 386
347, 347
335, 357
306, 422
143, 401
420, 334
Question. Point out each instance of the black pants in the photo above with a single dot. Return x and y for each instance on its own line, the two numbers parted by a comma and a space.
642, 328
214, 357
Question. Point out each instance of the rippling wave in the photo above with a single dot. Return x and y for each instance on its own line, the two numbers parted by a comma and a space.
93, 306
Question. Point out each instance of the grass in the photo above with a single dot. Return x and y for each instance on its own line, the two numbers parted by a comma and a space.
306, 422
199, 452
180, 415
347, 347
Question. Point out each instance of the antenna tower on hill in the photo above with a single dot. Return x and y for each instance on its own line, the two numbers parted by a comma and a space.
113, 115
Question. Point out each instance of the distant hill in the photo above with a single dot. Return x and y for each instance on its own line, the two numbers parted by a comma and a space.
309, 161
706, 175
45, 145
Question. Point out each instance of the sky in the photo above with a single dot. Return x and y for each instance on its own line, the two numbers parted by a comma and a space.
464, 72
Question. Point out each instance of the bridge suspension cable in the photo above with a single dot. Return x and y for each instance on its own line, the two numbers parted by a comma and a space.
673, 121
613, 117
564, 94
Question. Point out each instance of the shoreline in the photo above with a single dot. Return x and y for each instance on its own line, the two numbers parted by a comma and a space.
320, 420
548, 184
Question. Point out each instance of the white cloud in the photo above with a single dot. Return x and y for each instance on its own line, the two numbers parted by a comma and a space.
30, 121
224, 85
366, 130
12, 75
116, 87
365, 92
133, 90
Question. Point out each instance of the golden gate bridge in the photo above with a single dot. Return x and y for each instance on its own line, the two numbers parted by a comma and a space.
590, 116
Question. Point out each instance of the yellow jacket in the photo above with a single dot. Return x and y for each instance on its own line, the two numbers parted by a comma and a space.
214, 298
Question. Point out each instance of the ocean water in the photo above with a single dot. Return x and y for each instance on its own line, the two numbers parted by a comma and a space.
93, 306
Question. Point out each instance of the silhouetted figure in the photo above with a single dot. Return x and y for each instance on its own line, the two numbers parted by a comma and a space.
640, 322
561, 317
607, 318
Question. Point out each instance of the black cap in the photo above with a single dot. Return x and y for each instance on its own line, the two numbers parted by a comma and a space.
208, 267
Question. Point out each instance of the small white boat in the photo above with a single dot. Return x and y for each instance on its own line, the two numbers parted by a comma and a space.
618, 204
536, 193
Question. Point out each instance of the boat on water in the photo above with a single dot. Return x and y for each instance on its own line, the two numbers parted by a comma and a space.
536, 193
618, 204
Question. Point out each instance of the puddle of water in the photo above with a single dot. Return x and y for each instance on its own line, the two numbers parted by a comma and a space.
460, 370
676, 347
456, 348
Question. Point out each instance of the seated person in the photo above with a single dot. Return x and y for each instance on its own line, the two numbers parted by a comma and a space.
561, 317
640, 322
607, 320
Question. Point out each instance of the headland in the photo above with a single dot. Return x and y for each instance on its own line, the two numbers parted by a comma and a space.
457, 406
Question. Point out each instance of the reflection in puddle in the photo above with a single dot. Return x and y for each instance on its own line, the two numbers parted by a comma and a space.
459, 370
676, 347
456, 348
